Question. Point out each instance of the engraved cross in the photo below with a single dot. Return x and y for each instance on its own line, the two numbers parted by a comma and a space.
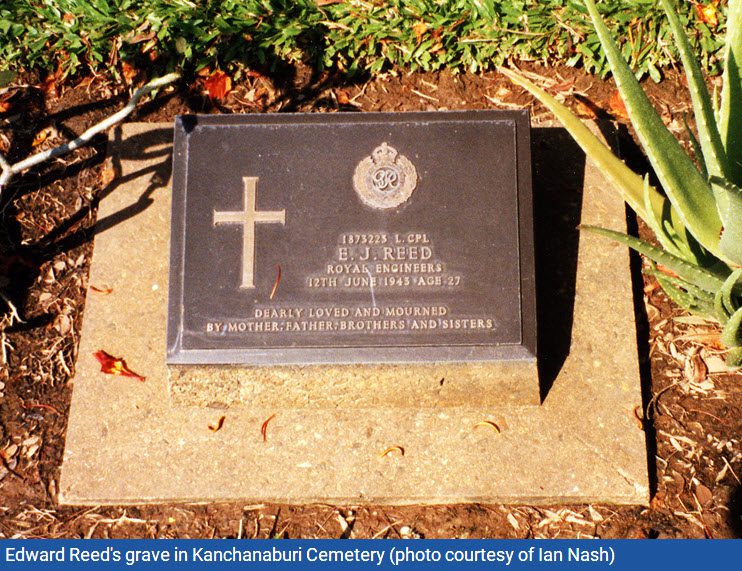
249, 217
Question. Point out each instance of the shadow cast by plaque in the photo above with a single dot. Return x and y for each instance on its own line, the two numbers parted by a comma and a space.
558, 175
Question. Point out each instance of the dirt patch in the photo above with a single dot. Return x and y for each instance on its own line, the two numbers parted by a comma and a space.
692, 411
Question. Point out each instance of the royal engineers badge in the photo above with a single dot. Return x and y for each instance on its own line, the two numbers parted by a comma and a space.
385, 179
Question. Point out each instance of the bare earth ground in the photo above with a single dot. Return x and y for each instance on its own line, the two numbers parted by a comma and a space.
692, 408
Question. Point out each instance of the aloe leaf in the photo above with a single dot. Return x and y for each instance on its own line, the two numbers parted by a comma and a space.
696, 148
730, 117
724, 302
628, 183
727, 292
689, 248
708, 133
683, 298
655, 222
734, 358
731, 335
675, 236
695, 275
683, 183
730, 211
701, 296
622, 177
686, 295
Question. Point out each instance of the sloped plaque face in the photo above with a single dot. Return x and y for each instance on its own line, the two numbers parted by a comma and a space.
352, 238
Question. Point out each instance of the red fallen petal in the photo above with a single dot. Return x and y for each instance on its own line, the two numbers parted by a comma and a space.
114, 366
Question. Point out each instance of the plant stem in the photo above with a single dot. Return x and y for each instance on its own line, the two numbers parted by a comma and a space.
8, 170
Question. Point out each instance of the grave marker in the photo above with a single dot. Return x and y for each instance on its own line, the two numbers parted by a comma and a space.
355, 248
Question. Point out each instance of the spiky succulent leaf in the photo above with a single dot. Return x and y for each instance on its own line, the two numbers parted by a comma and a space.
714, 156
734, 358
729, 292
730, 211
695, 275
674, 237
725, 301
696, 148
731, 335
686, 295
627, 181
683, 183
680, 295
664, 231
730, 114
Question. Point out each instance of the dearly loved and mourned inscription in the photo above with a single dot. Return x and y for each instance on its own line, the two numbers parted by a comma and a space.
383, 238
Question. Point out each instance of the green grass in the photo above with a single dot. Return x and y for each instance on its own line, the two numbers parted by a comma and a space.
353, 36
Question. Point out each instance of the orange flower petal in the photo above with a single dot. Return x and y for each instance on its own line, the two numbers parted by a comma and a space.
114, 366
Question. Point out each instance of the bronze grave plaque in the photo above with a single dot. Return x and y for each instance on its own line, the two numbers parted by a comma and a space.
338, 239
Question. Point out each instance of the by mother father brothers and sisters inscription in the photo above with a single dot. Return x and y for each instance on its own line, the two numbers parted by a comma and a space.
386, 243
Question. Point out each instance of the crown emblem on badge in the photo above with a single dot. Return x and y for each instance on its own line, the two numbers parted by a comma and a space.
385, 179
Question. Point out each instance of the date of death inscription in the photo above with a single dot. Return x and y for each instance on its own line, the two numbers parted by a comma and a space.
381, 260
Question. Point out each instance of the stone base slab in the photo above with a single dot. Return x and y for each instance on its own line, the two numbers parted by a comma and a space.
356, 386
127, 444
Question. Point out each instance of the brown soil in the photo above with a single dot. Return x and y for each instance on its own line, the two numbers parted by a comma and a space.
693, 410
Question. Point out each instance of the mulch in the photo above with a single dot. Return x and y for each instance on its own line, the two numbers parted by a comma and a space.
692, 407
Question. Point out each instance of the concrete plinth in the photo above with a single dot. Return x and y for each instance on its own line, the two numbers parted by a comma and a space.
127, 444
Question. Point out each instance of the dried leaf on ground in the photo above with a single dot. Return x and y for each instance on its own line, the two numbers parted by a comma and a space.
704, 495
107, 174
503, 91
49, 86
708, 14
264, 427
218, 426
716, 364
488, 423
42, 136
695, 369
617, 107
218, 85
407, 532
63, 324
586, 108
104, 289
128, 71
419, 28
115, 366
513, 522
391, 449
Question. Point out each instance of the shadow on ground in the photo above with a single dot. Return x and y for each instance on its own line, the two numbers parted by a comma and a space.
735, 512
558, 173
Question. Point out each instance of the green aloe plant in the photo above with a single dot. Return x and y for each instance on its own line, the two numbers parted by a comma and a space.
698, 218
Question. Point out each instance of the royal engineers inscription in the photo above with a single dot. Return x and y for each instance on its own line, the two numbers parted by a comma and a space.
333, 255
